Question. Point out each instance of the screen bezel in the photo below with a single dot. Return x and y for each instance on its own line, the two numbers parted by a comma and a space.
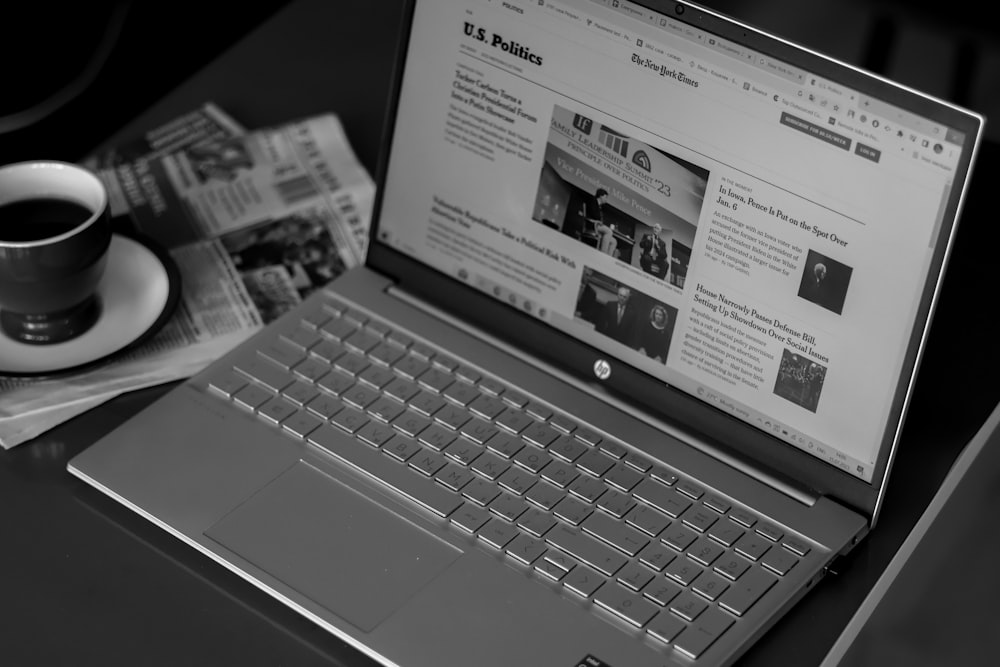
757, 449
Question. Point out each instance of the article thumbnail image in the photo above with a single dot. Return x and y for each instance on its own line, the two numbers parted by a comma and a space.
221, 159
296, 254
624, 314
824, 281
799, 380
619, 196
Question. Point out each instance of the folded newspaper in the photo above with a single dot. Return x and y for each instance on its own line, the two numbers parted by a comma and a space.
255, 221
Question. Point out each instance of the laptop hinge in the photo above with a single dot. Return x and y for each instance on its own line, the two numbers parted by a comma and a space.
797, 493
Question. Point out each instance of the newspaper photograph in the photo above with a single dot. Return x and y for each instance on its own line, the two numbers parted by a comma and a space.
253, 221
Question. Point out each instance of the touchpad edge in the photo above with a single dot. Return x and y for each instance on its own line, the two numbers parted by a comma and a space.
330, 543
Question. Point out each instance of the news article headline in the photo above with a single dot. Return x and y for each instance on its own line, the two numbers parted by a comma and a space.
728, 308
465, 219
733, 199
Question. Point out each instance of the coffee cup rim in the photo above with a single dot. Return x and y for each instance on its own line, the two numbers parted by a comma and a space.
96, 214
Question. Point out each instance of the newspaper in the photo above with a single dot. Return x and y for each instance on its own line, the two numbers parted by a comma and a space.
254, 221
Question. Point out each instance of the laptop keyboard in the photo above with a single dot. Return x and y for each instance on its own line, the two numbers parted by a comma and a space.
641, 541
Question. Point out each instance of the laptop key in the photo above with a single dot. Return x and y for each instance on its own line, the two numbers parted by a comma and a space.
630, 606
615, 533
401, 449
410, 423
325, 406
266, 373
425, 402
401, 390
276, 409
426, 492
311, 369
435, 379
655, 556
536, 522
452, 416
453, 476
567, 448
572, 511
302, 423
497, 534
282, 353
504, 444
726, 533
299, 392
427, 462
544, 495
351, 363
359, 396
752, 546
385, 409
462, 393
688, 606
470, 518
615, 503
779, 560
595, 463
252, 396
486, 407
683, 571
525, 549
385, 354
227, 383
335, 382
604, 559
559, 473
648, 520
661, 591
350, 420
747, 590
514, 421
478, 431
662, 498
508, 507
583, 581
711, 585
634, 576
549, 569
665, 627
376, 377
540, 434
436, 436
699, 636
375, 434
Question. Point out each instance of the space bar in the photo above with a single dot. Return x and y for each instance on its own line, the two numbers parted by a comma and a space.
373, 462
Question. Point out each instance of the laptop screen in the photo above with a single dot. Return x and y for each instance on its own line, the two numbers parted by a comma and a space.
746, 231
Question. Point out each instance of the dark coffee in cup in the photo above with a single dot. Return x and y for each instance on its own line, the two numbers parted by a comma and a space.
54, 238
36, 219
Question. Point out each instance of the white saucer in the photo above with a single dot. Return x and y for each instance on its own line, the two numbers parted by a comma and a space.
137, 292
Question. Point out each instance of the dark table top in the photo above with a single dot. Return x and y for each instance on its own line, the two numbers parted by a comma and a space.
86, 581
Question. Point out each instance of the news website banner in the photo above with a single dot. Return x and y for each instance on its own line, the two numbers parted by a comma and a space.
730, 225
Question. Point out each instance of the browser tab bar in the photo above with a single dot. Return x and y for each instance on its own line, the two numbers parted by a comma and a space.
681, 30
778, 68
729, 48
630, 9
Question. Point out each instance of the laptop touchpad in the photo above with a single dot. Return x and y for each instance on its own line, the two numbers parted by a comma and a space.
333, 545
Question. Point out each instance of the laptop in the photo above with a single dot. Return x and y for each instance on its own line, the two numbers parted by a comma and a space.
626, 365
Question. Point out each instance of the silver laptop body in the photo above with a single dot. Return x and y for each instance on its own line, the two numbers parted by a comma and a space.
626, 366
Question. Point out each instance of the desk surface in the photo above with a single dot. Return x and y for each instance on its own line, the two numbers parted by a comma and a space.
86, 581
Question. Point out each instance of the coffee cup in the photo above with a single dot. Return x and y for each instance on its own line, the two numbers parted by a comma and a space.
55, 231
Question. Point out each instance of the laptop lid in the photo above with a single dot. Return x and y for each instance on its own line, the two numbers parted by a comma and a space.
735, 235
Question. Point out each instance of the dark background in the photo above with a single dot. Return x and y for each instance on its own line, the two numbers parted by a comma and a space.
45, 46
948, 49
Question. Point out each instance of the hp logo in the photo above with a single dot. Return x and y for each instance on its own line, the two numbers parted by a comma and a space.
602, 369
